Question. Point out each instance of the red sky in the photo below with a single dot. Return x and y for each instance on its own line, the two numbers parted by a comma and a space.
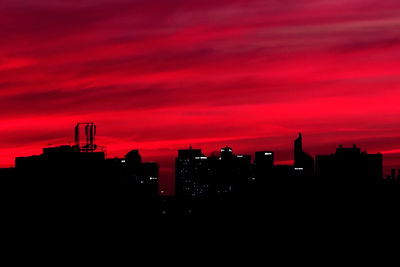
159, 75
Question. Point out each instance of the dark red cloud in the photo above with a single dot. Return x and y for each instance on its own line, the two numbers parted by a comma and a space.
159, 75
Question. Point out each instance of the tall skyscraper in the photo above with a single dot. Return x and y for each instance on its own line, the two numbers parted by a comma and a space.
191, 174
303, 163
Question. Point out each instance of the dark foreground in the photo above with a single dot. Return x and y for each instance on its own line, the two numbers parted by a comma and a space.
116, 203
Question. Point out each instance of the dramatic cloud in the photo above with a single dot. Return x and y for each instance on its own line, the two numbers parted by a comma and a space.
160, 75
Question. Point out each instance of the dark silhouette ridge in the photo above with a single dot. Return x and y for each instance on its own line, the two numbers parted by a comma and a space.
81, 180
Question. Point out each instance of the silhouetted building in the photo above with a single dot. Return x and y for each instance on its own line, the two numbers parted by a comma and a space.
263, 166
61, 165
133, 160
78, 165
234, 172
84, 166
200, 176
349, 166
149, 179
226, 153
244, 175
303, 163
142, 178
191, 175
226, 179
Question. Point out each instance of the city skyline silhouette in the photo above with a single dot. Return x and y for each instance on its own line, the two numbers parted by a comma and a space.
200, 97
82, 170
84, 142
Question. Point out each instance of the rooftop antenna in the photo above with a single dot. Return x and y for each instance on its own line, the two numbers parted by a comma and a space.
90, 133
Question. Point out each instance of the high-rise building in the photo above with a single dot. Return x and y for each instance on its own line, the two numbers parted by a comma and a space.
234, 172
191, 173
197, 175
303, 163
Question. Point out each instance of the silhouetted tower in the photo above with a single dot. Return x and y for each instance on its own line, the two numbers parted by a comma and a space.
191, 173
90, 133
303, 163
298, 151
